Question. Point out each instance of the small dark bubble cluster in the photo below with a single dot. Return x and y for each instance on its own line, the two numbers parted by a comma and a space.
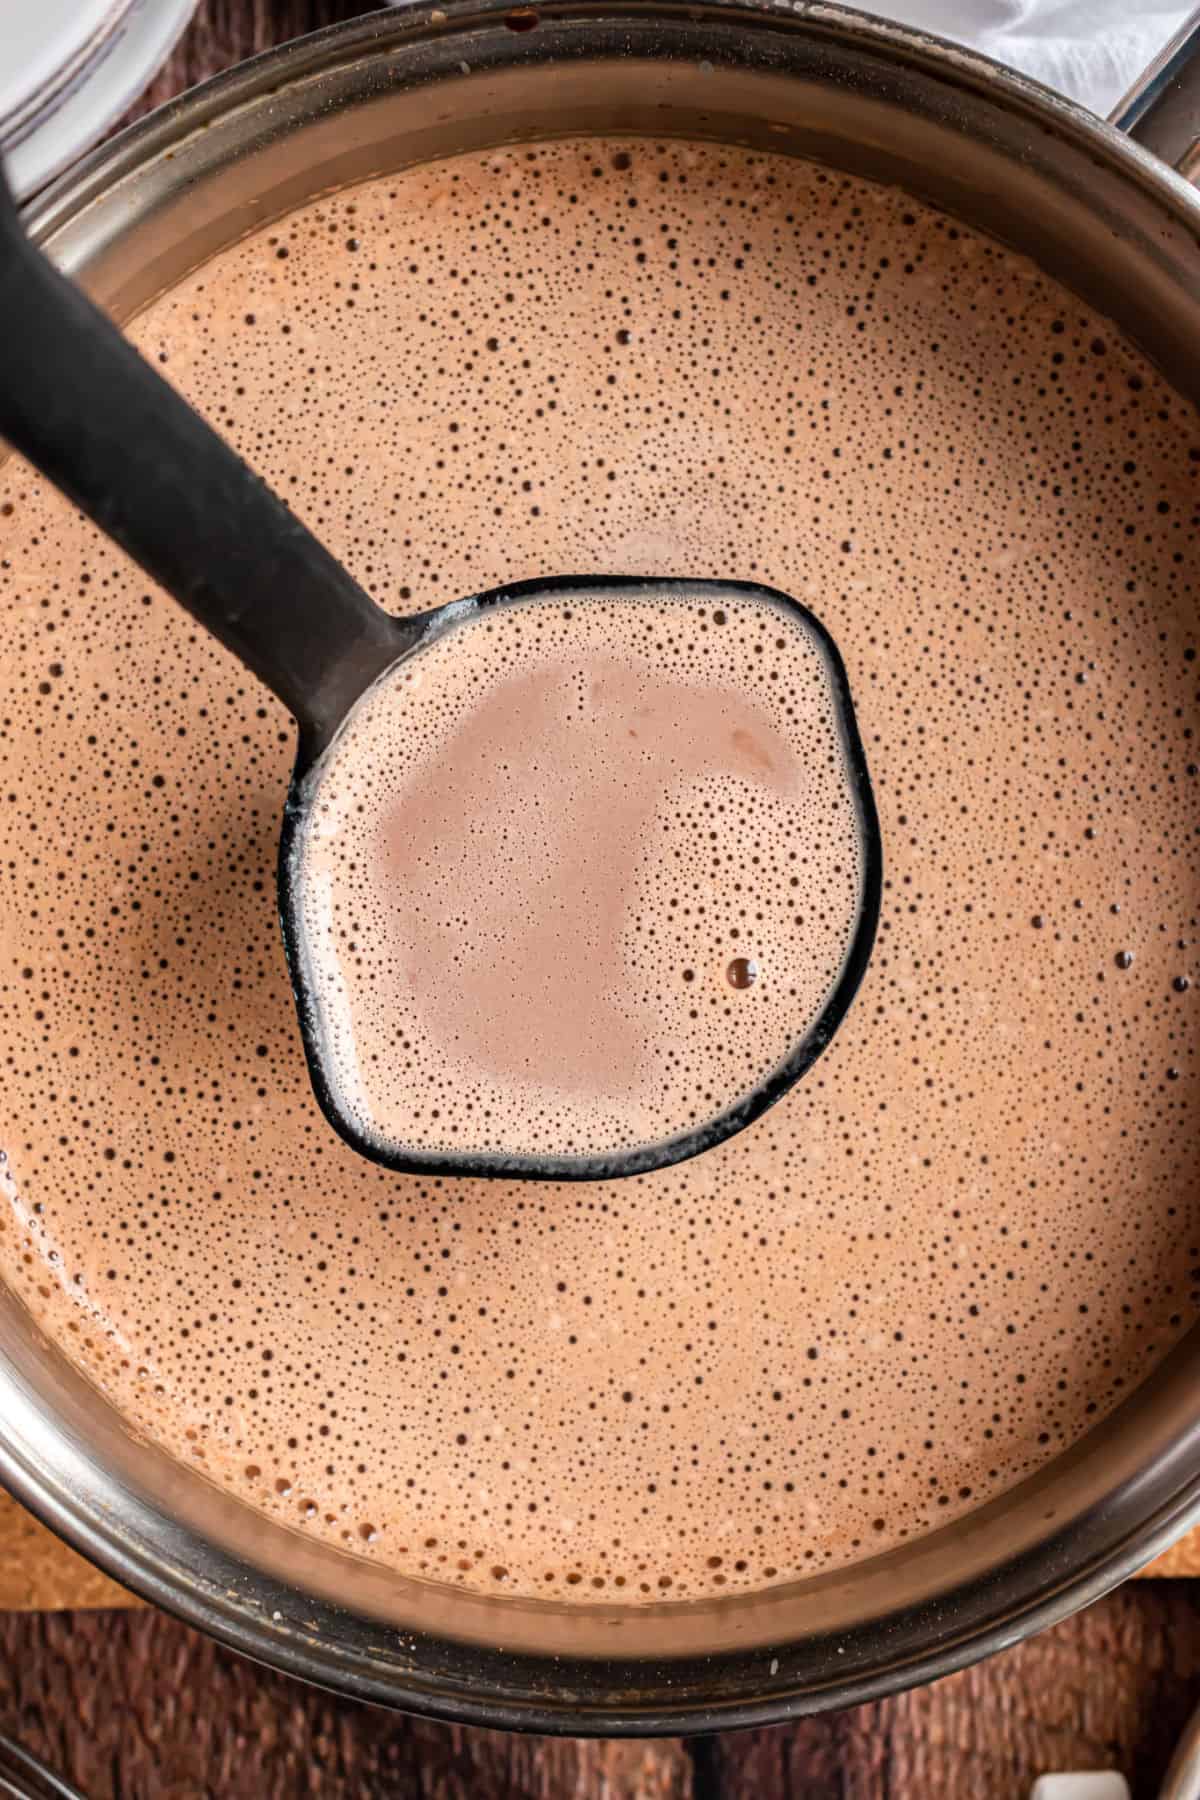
974, 1226
530, 857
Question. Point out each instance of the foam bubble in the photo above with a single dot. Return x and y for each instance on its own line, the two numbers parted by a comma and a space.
530, 852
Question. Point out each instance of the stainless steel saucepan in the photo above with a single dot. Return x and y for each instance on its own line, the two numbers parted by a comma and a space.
1107, 211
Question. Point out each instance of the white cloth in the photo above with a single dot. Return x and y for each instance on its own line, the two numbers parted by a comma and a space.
1101, 1786
1091, 50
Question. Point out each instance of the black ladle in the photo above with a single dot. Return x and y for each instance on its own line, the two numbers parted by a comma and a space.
80, 403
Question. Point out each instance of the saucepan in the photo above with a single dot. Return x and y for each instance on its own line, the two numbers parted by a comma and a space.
1107, 208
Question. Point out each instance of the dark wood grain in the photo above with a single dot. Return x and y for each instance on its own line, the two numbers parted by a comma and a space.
226, 31
133, 1706
1111, 1688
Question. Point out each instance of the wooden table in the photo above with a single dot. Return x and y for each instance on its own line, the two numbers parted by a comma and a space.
133, 1706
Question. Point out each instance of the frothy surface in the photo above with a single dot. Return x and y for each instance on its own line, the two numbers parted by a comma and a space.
973, 1226
580, 873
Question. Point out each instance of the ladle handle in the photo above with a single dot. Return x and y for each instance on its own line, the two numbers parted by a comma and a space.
86, 409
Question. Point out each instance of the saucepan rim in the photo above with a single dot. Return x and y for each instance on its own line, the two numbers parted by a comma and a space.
1146, 1509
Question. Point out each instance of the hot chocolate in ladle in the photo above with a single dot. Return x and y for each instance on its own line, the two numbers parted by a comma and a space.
80, 403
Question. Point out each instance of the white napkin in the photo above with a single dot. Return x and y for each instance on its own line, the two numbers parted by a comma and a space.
1101, 1786
1091, 50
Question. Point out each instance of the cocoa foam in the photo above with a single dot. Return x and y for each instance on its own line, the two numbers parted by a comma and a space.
974, 1226
581, 872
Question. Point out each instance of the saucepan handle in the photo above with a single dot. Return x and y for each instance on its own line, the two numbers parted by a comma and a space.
1161, 111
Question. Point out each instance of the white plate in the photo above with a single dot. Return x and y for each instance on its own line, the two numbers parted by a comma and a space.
69, 69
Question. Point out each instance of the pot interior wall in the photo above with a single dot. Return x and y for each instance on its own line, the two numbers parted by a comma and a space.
368, 100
